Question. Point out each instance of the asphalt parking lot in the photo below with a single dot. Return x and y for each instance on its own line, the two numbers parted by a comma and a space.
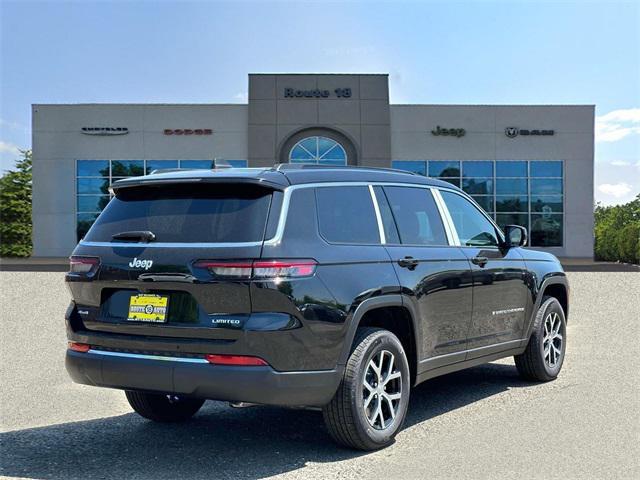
480, 423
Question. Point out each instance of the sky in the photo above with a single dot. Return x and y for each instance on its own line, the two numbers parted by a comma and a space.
508, 52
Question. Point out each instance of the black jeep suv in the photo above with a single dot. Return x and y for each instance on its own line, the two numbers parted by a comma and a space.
332, 288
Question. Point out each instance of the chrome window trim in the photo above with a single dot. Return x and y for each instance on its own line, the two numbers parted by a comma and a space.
376, 208
141, 356
284, 212
447, 221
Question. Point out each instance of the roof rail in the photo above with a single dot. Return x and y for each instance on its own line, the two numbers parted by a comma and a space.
169, 170
310, 166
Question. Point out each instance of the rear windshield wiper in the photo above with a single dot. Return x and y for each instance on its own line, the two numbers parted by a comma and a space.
139, 235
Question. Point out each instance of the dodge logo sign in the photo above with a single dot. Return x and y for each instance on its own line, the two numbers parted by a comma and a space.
188, 131
513, 132
105, 130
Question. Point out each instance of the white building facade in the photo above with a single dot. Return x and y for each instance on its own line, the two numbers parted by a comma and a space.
530, 165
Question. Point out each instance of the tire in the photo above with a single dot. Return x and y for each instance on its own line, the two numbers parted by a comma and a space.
535, 363
163, 408
347, 419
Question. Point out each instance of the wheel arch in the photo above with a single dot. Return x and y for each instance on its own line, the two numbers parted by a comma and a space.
383, 312
556, 286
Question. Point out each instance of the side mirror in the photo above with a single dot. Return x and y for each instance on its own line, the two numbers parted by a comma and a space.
515, 236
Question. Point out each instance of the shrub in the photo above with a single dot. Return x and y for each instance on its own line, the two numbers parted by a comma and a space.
617, 232
15, 209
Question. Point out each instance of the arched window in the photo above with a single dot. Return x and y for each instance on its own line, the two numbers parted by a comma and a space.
318, 150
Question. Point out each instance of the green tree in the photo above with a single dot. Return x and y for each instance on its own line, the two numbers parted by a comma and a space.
617, 232
15, 209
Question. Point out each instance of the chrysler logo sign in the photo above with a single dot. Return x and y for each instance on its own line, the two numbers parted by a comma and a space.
513, 132
105, 130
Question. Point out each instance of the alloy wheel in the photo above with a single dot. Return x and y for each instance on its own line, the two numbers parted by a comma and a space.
552, 340
382, 390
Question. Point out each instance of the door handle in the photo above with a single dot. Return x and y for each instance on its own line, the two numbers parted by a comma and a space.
408, 262
481, 261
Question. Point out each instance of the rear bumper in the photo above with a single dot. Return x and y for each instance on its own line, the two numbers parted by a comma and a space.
196, 377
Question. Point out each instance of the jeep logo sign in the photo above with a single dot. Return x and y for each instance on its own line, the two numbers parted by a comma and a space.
451, 132
139, 263
513, 132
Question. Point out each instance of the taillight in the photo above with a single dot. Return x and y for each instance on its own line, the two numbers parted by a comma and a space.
283, 268
226, 269
79, 347
260, 269
238, 360
83, 264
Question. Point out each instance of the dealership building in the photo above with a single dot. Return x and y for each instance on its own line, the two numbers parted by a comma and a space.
530, 165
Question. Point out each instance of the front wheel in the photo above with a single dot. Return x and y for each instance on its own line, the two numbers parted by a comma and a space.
371, 403
162, 407
544, 356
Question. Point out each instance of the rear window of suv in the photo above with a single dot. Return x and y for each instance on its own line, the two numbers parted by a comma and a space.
187, 213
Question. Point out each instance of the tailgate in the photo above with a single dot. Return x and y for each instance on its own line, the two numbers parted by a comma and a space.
147, 283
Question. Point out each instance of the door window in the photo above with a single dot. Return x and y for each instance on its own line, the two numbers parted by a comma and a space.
416, 216
346, 215
474, 229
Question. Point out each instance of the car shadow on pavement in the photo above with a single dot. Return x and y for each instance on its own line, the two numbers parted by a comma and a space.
220, 442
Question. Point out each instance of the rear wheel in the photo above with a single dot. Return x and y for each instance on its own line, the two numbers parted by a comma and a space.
371, 403
543, 358
163, 408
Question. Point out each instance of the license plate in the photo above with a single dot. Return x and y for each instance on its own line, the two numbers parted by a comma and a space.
145, 307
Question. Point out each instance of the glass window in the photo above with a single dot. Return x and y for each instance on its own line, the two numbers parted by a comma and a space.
160, 164
546, 230
511, 185
485, 201
187, 213
416, 215
452, 181
474, 229
546, 169
410, 166
444, 169
92, 203
319, 150
477, 186
546, 186
512, 203
504, 219
127, 168
511, 169
477, 169
346, 215
83, 223
197, 164
92, 168
546, 204
93, 185
237, 163
388, 223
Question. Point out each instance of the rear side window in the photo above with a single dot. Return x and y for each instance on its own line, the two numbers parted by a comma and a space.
416, 216
188, 213
346, 215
